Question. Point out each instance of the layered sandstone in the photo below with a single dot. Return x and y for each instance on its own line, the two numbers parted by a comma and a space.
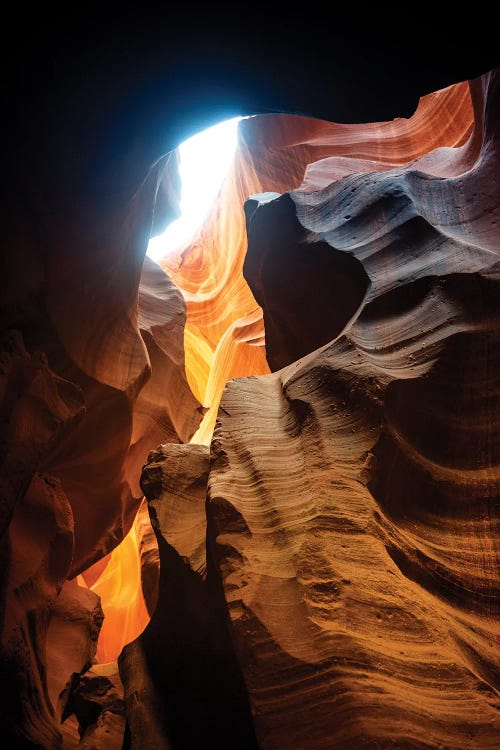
350, 493
181, 670
354, 493
351, 501
276, 153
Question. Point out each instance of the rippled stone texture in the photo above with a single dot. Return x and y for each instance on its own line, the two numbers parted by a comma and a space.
353, 494
277, 152
394, 227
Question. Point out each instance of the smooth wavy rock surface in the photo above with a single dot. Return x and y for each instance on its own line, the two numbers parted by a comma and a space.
121, 425
101, 320
353, 495
83, 351
224, 330
349, 237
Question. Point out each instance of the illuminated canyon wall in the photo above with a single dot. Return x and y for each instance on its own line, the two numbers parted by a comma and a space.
350, 532
224, 335
324, 565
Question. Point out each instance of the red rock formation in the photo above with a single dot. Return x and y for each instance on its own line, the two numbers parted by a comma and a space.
111, 396
36, 534
346, 603
352, 494
165, 409
93, 377
74, 626
333, 266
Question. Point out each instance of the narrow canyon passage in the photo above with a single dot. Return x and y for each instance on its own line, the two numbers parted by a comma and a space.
224, 331
265, 473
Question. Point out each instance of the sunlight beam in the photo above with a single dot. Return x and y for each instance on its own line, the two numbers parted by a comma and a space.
204, 161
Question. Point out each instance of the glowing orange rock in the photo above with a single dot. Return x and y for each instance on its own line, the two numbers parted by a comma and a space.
165, 409
277, 153
120, 590
111, 383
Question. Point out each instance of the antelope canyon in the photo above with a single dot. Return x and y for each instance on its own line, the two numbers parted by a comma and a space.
250, 488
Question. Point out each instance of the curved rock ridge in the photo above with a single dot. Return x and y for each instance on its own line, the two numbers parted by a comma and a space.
353, 494
277, 153
394, 420
435, 216
165, 409
84, 318
352, 506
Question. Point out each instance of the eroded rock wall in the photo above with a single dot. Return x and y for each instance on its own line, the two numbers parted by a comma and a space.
277, 153
89, 333
183, 686
341, 585
354, 493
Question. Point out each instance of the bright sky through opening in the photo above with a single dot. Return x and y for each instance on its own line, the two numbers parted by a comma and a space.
204, 161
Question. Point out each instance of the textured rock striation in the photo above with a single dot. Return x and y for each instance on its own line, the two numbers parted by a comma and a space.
351, 494
366, 208
328, 570
276, 153
354, 493
182, 668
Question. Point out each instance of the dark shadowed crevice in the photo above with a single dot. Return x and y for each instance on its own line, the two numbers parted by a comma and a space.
308, 290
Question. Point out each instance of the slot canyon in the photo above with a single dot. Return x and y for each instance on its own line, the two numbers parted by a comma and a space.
250, 489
